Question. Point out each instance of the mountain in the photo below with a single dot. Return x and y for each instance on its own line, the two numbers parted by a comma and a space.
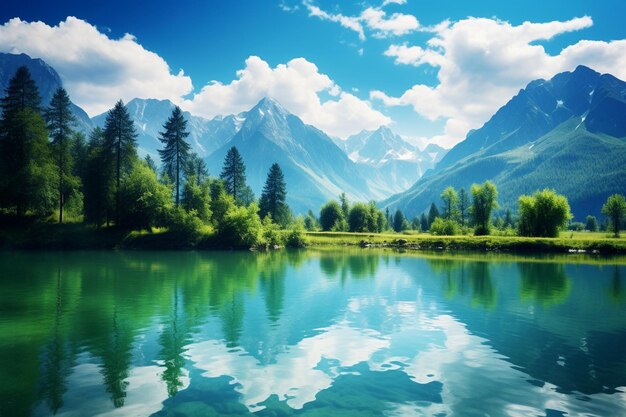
315, 168
397, 163
566, 133
149, 116
46, 78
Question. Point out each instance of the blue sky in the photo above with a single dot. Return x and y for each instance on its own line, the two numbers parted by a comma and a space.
341, 66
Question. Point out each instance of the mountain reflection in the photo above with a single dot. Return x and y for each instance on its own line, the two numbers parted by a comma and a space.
306, 332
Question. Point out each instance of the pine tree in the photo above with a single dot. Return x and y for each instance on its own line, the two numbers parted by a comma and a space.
97, 180
150, 162
175, 153
345, 206
120, 144
433, 213
464, 204
60, 119
25, 159
423, 222
234, 175
398, 221
196, 167
273, 197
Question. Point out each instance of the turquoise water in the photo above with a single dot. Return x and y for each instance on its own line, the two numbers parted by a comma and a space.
312, 333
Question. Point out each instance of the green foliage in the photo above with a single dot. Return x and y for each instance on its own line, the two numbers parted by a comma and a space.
450, 204
483, 202
359, 218
310, 222
98, 180
120, 146
416, 224
145, 202
273, 198
345, 205
175, 152
463, 205
615, 210
21, 93
445, 227
330, 215
241, 227
196, 167
399, 222
196, 197
221, 202
59, 120
234, 177
543, 214
296, 235
187, 225
271, 233
29, 178
576, 226
423, 222
150, 162
591, 224
433, 213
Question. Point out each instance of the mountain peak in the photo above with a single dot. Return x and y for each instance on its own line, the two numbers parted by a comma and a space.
269, 105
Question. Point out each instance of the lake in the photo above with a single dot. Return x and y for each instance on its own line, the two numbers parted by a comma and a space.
312, 333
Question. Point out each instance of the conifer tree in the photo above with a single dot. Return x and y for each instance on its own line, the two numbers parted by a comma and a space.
433, 213
423, 222
175, 153
60, 119
464, 204
196, 167
21, 93
150, 162
234, 175
398, 221
274, 195
120, 145
97, 180
345, 206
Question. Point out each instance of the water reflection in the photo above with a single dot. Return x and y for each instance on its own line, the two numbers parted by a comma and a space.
310, 333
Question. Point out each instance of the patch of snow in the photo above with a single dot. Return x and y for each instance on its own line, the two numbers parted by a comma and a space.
531, 146
582, 120
559, 103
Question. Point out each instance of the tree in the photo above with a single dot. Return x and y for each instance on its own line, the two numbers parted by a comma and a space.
398, 221
330, 214
345, 206
29, 177
464, 204
359, 218
196, 197
21, 93
120, 145
615, 210
483, 202
423, 222
175, 153
273, 197
415, 224
310, 222
433, 213
150, 162
508, 219
234, 175
591, 224
60, 119
98, 180
543, 214
450, 203
196, 167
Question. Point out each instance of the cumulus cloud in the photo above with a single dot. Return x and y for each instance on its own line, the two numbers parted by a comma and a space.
297, 85
96, 70
482, 63
375, 19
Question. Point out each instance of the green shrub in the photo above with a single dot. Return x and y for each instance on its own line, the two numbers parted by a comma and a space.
444, 227
296, 236
187, 225
271, 233
241, 227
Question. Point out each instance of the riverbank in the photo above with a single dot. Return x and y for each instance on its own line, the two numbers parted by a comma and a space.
78, 236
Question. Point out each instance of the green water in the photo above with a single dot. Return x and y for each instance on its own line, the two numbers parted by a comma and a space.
313, 333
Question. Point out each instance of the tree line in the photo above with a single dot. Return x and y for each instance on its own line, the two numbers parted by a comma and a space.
47, 166
542, 214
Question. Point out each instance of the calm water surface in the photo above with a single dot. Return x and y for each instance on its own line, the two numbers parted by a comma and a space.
315, 333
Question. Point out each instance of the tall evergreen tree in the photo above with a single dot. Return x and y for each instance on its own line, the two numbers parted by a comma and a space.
175, 153
345, 206
274, 195
234, 174
150, 162
398, 221
196, 167
423, 222
120, 143
25, 159
464, 204
433, 213
97, 180
60, 119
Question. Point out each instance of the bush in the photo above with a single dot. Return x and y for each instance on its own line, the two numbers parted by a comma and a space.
445, 227
296, 236
187, 225
241, 227
271, 233
543, 214
576, 226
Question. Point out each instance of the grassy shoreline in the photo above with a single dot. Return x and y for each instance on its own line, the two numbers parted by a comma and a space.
78, 236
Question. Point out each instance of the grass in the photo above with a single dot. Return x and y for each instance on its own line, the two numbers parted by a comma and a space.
579, 241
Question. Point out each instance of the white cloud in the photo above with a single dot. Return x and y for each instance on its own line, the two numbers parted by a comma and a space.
373, 18
484, 62
297, 86
387, 2
96, 70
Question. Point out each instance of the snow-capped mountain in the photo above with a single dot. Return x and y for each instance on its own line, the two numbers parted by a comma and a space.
149, 115
398, 162
315, 168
